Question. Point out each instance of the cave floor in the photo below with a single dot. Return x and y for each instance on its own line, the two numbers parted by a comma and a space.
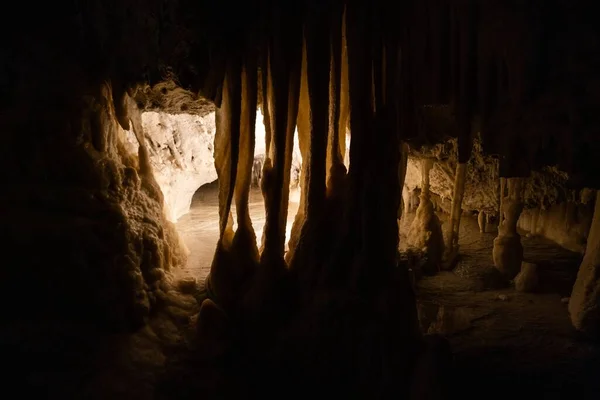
507, 343
504, 342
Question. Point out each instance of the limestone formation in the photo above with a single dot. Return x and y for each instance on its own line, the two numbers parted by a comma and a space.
508, 251
88, 245
181, 155
425, 232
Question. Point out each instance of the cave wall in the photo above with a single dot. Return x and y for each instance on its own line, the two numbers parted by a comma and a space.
181, 147
481, 179
86, 227
567, 223
553, 208
531, 81
181, 155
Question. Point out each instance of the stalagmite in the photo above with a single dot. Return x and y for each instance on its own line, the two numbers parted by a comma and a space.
482, 221
451, 250
508, 251
584, 305
425, 231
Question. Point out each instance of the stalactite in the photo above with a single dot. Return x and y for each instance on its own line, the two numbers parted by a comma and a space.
303, 126
317, 62
425, 232
266, 109
335, 171
344, 93
435, 49
225, 279
244, 241
284, 61
322, 104
360, 84
466, 77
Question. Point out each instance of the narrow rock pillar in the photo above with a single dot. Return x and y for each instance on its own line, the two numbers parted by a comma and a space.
508, 251
425, 233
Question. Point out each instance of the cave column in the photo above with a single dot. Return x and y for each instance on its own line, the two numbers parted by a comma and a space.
425, 232
584, 305
426, 166
508, 251
455, 213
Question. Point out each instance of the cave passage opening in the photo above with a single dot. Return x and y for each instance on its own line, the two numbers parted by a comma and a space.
182, 157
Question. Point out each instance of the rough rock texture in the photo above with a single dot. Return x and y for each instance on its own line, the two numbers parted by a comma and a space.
584, 305
168, 97
545, 187
567, 224
88, 224
181, 155
481, 177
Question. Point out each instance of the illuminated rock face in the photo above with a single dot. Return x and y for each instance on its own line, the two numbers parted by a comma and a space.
181, 155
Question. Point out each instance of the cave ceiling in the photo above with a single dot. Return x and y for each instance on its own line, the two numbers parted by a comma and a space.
523, 73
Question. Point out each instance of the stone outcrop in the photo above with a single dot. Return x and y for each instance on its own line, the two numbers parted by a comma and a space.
181, 150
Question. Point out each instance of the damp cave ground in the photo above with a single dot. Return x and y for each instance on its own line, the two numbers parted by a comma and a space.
523, 345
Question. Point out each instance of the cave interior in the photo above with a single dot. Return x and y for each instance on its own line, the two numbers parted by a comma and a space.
361, 199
